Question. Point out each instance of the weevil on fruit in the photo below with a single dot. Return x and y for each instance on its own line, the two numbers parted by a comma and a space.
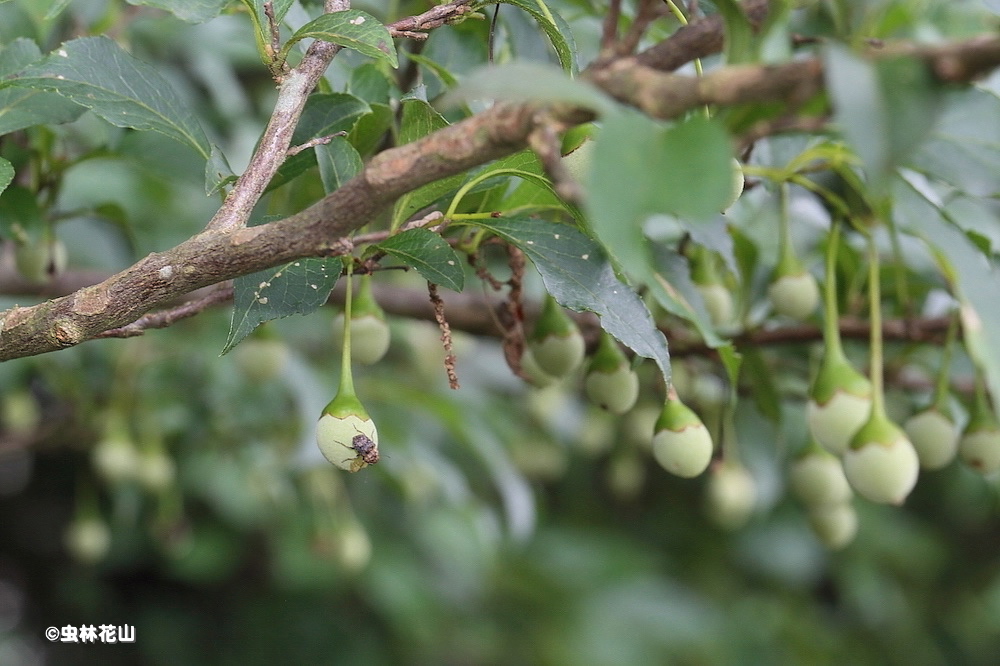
367, 451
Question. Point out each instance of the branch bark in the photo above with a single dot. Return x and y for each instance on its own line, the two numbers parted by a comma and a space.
226, 249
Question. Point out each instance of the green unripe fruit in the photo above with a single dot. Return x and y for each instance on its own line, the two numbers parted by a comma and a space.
354, 548
370, 337
346, 435
979, 447
738, 183
115, 458
835, 525
556, 343
681, 443
718, 303
795, 296
578, 161
717, 299
980, 450
533, 373
817, 478
262, 359
156, 470
840, 403
370, 334
881, 464
40, 261
88, 540
611, 383
934, 436
732, 495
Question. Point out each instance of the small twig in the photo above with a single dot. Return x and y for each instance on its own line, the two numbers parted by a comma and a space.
311, 143
649, 11
609, 29
491, 40
165, 318
272, 23
513, 325
449, 359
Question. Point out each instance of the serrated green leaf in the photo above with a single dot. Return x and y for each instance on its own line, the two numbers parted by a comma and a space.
298, 287
579, 275
20, 108
96, 73
192, 11
338, 162
218, 173
555, 28
6, 174
353, 30
430, 254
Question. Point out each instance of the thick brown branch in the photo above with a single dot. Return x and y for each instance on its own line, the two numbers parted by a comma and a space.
215, 256
225, 250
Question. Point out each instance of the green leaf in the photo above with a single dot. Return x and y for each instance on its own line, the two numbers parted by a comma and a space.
528, 82
298, 287
323, 115
418, 120
579, 275
641, 168
555, 28
20, 108
338, 162
218, 173
96, 73
353, 30
430, 254
740, 47
885, 109
192, 11
370, 129
671, 286
976, 275
6, 174
963, 149
765, 392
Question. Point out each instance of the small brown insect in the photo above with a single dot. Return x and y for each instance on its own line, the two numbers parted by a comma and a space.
367, 451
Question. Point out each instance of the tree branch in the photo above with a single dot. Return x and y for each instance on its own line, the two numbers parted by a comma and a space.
227, 249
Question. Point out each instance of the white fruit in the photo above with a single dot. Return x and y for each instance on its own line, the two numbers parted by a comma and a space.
685, 453
934, 436
335, 438
835, 423
836, 525
883, 473
818, 479
794, 296
732, 495
718, 303
614, 391
980, 450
